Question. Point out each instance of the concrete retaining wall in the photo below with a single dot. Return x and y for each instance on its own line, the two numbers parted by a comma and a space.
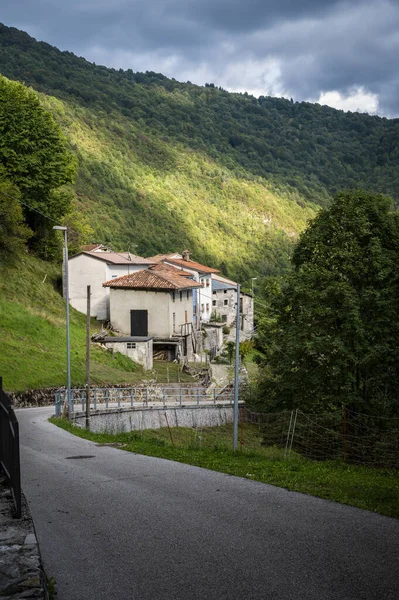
120, 420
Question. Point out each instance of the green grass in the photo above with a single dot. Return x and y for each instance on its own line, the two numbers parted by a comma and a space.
32, 330
371, 489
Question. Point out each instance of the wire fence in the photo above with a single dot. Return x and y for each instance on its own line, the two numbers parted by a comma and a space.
344, 435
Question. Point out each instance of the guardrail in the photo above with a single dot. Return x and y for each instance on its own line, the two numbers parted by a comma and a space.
142, 397
9, 448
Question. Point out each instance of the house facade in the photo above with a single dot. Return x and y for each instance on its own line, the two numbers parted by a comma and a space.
94, 266
158, 303
224, 304
202, 299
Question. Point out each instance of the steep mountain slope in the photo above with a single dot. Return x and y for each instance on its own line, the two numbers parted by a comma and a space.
164, 164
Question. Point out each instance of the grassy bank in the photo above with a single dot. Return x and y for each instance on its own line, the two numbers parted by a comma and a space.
371, 489
32, 330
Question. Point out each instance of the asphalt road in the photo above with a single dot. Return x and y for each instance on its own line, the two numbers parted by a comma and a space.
120, 526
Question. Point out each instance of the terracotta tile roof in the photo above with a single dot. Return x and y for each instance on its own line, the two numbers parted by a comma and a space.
118, 258
191, 264
166, 268
160, 257
91, 247
153, 279
177, 260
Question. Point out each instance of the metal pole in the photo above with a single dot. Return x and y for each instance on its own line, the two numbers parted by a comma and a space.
235, 427
68, 343
65, 230
88, 360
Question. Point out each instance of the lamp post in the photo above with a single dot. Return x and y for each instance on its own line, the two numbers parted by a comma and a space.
236, 370
68, 348
252, 285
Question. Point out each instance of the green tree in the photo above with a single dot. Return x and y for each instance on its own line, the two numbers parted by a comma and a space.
34, 156
334, 337
13, 232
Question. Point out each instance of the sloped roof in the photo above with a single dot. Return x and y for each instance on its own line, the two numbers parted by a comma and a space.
117, 258
162, 267
153, 279
160, 257
91, 247
224, 280
177, 260
191, 264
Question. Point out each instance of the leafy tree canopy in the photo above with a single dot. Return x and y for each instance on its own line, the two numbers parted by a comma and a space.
33, 155
331, 334
13, 231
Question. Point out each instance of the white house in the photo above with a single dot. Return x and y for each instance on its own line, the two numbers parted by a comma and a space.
93, 266
157, 302
224, 305
202, 299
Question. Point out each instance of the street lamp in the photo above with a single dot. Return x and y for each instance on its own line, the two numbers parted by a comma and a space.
68, 349
252, 284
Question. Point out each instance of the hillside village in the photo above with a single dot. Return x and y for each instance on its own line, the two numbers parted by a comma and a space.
166, 306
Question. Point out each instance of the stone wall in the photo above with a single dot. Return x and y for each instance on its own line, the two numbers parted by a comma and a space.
120, 420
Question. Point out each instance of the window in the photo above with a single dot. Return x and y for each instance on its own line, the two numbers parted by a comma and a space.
213, 302
224, 318
174, 322
173, 296
202, 307
114, 276
226, 302
207, 307
181, 296
214, 292
188, 294
207, 283
131, 345
224, 291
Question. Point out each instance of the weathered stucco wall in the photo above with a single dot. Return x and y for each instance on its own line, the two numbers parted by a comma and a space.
141, 354
160, 307
120, 420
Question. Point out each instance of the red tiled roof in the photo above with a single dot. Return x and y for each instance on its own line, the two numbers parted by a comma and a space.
118, 258
191, 264
160, 257
153, 279
181, 262
166, 268
90, 247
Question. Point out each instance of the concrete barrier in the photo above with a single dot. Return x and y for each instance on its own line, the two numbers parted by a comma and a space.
119, 420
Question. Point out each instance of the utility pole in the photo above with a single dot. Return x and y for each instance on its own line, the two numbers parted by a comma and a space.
88, 360
68, 344
236, 369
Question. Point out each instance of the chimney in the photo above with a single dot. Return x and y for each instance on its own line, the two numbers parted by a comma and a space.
186, 254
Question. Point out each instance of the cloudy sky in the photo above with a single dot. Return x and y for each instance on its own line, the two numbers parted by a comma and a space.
341, 53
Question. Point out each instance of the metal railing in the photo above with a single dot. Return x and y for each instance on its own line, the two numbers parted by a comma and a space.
139, 397
9, 448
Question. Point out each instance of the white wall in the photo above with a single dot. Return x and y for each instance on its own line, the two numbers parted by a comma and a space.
141, 354
205, 298
84, 270
160, 307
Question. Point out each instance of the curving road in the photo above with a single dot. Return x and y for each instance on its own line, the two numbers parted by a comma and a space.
120, 526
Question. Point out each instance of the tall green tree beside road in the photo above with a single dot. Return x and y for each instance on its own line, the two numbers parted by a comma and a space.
34, 157
333, 338
13, 232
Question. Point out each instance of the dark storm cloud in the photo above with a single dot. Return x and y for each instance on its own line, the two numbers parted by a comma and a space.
288, 47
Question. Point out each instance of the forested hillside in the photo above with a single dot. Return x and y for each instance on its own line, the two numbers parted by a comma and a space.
164, 164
